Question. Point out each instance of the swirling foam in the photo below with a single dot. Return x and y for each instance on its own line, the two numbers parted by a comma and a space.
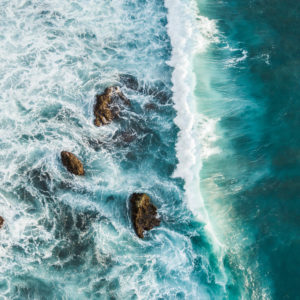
75, 234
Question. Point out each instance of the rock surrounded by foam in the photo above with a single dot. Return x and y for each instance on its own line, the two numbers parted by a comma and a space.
1, 222
72, 163
143, 213
106, 108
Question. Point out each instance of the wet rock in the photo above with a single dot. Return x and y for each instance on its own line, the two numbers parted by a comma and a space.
129, 81
72, 163
143, 213
1, 222
107, 107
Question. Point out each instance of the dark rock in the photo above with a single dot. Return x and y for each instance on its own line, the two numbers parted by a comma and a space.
129, 81
150, 106
143, 213
106, 108
72, 163
162, 96
124, 138
1, 222
128, 137
157, 90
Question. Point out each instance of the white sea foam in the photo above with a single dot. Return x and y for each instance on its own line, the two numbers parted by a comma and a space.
190, 34
50, 75
233, 62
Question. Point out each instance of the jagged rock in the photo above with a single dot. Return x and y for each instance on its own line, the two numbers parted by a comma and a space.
1, 222
72, 163
143, 213
106, 108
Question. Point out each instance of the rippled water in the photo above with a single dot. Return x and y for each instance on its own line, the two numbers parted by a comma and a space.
248, 95
211, 136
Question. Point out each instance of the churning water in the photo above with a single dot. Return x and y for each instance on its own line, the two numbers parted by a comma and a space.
212, 145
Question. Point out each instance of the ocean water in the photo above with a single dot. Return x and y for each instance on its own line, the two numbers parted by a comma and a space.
67, 237
211, 136
248, 96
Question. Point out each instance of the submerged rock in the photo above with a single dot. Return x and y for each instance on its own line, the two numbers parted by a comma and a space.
129, 81
143, 213
157, 90
128, 137
72, 163
150, 106
1, 222
106, 108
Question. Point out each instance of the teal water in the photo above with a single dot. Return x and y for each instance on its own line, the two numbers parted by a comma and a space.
248, 89
214, 90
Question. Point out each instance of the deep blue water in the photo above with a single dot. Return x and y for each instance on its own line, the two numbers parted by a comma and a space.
211, 136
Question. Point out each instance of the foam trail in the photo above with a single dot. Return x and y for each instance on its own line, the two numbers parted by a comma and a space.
189, 34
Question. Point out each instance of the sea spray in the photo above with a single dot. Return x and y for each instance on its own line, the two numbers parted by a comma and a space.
190, 34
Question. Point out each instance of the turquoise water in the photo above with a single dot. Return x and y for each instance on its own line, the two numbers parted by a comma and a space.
208, 137
248, 90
